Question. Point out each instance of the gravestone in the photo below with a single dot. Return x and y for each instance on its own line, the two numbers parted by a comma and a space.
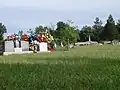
43, 47
62, 44
115, 42
17, 44
25, 45
18, 49
55, 45
9, 46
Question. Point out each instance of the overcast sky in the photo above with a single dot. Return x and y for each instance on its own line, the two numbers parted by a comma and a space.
25, 14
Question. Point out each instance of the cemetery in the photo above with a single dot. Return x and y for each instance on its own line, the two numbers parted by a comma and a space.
81, 59
21, 44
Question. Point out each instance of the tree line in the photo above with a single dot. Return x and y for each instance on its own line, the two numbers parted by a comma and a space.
99, 32
65, 31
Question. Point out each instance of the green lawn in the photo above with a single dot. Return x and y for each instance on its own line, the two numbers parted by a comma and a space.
83, 68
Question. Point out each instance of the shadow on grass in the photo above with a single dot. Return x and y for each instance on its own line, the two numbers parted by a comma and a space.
77, 59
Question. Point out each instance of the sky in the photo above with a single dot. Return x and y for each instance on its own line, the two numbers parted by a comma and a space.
25, 14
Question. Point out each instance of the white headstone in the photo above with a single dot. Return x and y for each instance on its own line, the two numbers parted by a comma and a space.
89, 38
61, 44
17, 43
25, 45
18, 49
71, 46
55, 45
9, 46
43, 47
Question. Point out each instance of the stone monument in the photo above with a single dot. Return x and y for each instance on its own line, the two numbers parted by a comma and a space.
43, 47
25, 45
9, 46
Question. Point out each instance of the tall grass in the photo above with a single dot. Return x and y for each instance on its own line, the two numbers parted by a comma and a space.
83, 68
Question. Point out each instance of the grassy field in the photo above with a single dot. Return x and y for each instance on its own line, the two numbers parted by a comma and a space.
83, 68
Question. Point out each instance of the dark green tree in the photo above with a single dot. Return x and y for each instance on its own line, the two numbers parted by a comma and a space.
52, 32
85, 32
2, 31
97, 29
110, 31
118, 26
60, 30
39, 29
71, 34
66, 31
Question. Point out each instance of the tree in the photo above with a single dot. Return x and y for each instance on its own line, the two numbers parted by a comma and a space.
118, 26
39, 29
60, 30
97, 29
2, 30
66, 32
110, 31
71, 34
52, 31
85, 32
52, 26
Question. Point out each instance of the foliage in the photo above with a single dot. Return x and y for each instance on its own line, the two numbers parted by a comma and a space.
118, 26
39, 29
98, 32
2, 31
94, 31
110, 32
60, 30
79, 69
85, 32
66, 32
97, 29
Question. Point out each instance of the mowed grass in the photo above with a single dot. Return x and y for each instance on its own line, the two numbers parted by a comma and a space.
83, 68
